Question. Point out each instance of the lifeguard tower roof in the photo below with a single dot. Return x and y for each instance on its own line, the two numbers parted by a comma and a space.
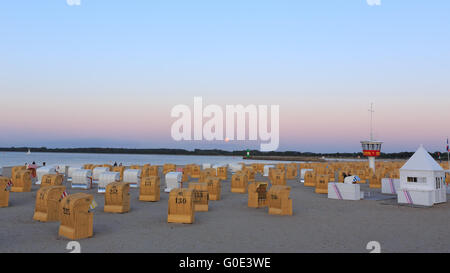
421, 160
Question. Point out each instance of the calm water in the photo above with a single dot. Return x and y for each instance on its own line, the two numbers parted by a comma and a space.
77, 160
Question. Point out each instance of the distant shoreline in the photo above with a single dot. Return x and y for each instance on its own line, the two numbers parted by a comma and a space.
287, 158
255, 154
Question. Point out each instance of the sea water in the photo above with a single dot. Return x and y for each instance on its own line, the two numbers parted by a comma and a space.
78, 159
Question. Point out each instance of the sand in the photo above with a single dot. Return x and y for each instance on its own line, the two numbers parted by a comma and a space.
318, 225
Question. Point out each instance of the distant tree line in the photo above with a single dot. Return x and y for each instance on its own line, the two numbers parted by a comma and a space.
211, 152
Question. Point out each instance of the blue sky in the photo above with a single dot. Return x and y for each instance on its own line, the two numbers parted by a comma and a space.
122, 56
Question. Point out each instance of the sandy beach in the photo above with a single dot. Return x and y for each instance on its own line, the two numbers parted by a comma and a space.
319, 224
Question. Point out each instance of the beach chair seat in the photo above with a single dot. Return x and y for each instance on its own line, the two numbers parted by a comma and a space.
152, 170
15, 169
291, 172
132, 177
322, 183
310, 179
48, 200
97, 171
207, 173
195, 171
375, 181
76, 221
21, 181
279, 202
257, 194
239, 182
214, 188
181, 206
149, 190
173, 180
105, 179
52, 180
88, 166
222, 173
4, 191
278, 177
82, 179
120, 170
169, 168
201, 195
251, 174
117, 197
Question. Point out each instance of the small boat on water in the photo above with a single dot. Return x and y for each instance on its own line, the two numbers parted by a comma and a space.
29, 152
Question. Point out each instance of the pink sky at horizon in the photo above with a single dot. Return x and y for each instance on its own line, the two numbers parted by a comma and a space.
311, 124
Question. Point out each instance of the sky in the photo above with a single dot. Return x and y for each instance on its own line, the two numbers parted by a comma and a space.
106, 73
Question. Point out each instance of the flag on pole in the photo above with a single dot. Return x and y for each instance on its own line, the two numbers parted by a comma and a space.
64, 194
448, 156
93, 205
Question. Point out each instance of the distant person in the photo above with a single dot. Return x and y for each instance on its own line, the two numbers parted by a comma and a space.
33, 168
115, 164
120, 164
43, 163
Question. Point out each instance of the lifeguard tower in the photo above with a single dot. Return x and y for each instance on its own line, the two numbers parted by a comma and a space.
371, 148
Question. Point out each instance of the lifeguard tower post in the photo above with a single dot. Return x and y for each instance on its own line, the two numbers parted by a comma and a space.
371, 148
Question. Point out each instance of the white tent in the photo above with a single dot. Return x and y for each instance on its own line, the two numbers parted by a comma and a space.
422, 180
421, 161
